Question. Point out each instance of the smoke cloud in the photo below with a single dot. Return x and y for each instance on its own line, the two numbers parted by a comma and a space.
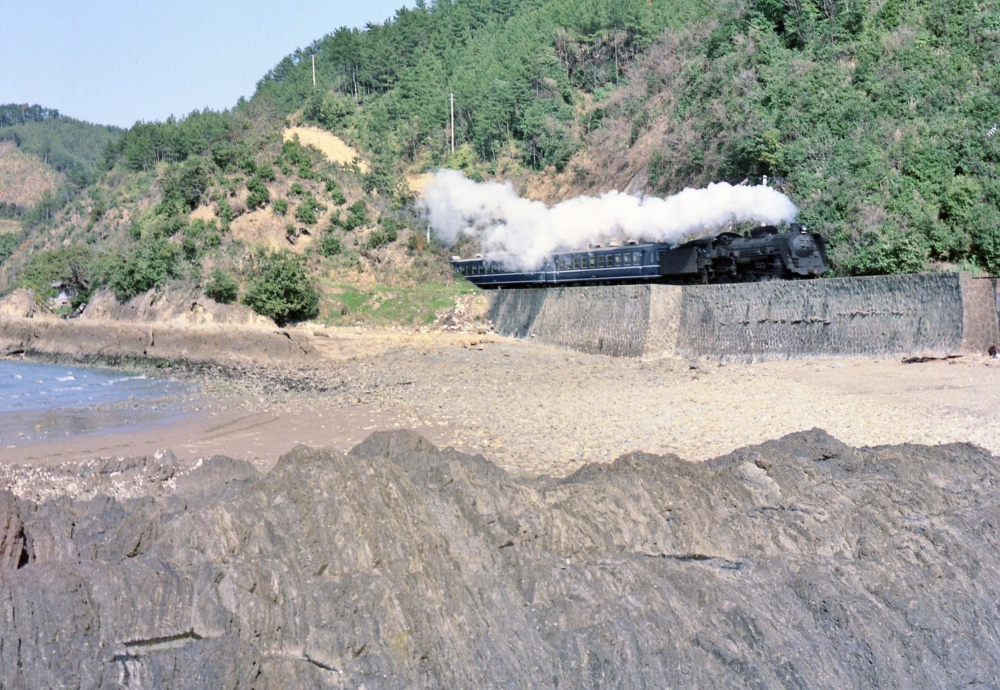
522, 232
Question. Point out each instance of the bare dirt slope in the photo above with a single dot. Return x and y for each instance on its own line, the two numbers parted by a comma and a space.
799, 563
23, 177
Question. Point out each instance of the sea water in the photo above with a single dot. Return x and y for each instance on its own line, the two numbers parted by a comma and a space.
41, 402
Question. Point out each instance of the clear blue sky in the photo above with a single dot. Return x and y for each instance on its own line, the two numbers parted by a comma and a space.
119, 61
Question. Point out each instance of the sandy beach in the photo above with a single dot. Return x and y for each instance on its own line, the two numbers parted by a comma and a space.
534, 409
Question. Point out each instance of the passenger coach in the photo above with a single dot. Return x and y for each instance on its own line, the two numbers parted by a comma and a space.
763, 254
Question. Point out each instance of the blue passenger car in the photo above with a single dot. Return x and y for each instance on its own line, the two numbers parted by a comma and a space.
629, 263
762, 254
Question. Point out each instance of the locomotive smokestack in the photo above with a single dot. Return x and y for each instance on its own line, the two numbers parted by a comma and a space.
522, 232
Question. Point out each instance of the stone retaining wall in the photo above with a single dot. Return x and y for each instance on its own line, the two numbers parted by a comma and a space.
933, 313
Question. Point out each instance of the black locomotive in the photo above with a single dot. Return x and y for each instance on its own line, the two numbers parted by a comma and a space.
727, 257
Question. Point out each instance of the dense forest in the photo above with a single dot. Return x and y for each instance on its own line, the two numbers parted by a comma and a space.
877, 119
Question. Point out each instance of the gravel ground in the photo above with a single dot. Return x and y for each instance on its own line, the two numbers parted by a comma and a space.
539, 410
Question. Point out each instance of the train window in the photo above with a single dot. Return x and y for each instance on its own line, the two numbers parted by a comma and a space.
618, 259
600, 261
628, 259
637, 257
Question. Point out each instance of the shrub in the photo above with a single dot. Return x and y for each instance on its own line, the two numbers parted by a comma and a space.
330, 246
380, 238
258, 193
280, 206
186, 185
890, 252
222, 287
294, 153
296, 189
225, 212
281, 288
146, 265
336, 195
9, 242
266, 172
306, 211
356, 216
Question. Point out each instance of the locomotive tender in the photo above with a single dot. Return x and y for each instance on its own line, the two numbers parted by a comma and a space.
727, 257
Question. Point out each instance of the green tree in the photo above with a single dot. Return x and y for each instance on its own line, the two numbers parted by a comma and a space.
281, 288
222, 287
143, 267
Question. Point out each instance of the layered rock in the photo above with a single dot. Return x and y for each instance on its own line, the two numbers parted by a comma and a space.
798, 563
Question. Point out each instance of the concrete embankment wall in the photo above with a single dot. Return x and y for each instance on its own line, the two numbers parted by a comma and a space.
940, 313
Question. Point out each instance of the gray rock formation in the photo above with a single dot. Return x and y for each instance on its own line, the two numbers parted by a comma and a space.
801, 563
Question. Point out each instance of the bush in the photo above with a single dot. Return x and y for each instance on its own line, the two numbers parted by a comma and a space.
296, 189
258, 193
330, 246
280, 206
357, 216
266, 172
222, 287
306, 211
282, 289
9, 242
294, 153
146, 266
890, 252
336, 195
186, 185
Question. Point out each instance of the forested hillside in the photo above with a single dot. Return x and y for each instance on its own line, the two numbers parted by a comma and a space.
70, 146
877, 119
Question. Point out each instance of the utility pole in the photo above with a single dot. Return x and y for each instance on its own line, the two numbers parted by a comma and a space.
451, 97
314, 71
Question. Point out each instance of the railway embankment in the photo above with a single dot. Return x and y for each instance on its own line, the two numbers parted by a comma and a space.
929, 313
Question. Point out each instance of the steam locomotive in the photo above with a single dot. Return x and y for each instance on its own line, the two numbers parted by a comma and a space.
727, 257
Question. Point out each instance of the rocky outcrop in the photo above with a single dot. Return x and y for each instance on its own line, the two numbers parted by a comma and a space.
21, 304
798, 563
187, 306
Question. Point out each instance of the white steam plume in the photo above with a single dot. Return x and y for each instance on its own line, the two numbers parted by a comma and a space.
523, 233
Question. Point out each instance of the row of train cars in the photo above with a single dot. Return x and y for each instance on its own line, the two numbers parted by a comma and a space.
765, 253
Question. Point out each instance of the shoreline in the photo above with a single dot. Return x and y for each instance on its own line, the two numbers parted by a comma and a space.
534, 409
